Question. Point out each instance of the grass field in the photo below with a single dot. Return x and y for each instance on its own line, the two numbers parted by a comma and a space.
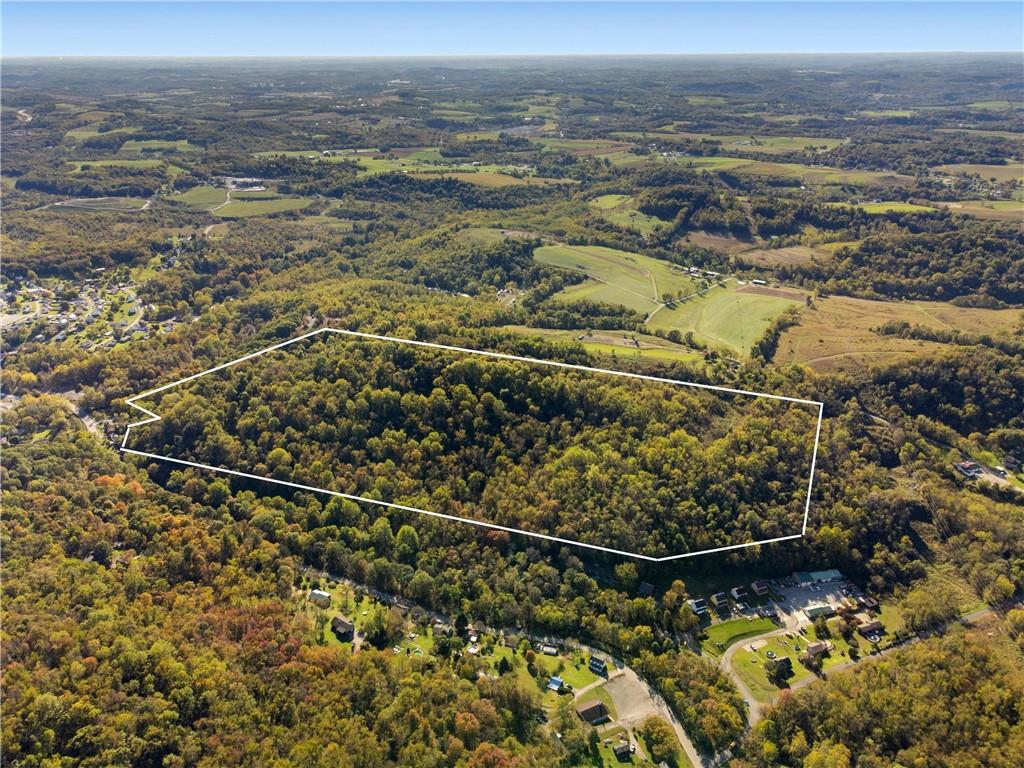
775, 257
1009, 172
621, 211
91, 132
241, 209
205, 197
103, 204
769, 145
721, 636
730, 317
894, 207
808, 174
138, 146
836, 333
618, 277
999, 210
78, 165
616, 343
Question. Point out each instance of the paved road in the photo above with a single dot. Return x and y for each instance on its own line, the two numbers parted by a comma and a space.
630, 679
755, 708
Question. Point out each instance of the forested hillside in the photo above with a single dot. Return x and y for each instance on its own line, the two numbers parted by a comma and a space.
706, 221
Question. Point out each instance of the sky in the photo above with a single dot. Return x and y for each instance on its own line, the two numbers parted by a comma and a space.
496, 28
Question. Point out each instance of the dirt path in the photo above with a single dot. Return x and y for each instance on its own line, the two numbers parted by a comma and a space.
227, 199
24, 116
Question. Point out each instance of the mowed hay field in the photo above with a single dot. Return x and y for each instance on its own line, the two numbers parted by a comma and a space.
617, 277
836, 333
730, 317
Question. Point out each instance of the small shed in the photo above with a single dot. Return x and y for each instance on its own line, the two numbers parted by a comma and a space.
320, 598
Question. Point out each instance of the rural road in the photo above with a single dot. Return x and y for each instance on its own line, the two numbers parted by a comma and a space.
630, 687
755, 708
24, 116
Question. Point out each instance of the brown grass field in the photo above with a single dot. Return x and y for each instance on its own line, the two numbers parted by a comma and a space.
1008, 172
776, 257
997, 210
835, 334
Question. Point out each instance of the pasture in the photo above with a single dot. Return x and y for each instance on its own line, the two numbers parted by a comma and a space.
616, 344
882, 207
204, 197
145, 146
777, 257
616, 277
769, 145
731, 318
104, 204
836, 332
998, 210
621, 211
246, 208
1002, 173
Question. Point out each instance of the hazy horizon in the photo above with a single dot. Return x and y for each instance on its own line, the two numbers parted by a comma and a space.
468, 30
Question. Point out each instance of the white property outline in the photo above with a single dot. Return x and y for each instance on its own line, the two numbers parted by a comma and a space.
480, 523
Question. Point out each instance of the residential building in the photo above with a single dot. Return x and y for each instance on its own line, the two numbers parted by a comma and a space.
593, 712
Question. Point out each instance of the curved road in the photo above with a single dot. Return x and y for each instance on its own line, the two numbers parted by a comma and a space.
657, 704
755, 708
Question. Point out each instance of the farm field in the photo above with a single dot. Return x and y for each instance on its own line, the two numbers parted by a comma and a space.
617, 277
770, 145
836, 332
883, 207
244, 208
92, 131
998, 210
808, 174
139, 146
104, 204
1010, 172
616, 343
774, 257
202, 197
172, 170
620, 210
730, 318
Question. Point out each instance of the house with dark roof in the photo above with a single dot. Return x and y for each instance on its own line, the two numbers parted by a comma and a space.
344, 629
598, 666
593, 712
623, 752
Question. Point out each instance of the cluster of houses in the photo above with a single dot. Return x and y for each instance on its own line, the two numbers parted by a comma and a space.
720, 600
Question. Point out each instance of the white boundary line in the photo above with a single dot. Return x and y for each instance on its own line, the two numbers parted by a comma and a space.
152, 417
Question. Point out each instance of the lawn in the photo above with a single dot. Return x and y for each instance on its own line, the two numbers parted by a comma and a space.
237, 210
621, 211
732, 317
721, 636
619, 277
